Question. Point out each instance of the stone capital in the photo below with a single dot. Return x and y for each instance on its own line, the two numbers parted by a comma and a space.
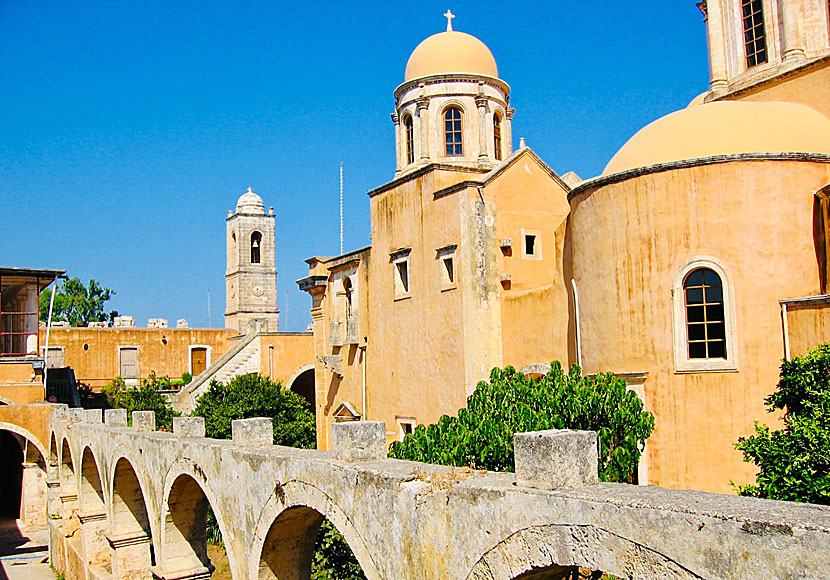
396, 118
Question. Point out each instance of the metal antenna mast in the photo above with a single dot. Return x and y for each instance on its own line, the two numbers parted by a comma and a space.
341, 208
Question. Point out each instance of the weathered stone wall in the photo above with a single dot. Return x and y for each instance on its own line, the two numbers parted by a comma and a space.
402, 520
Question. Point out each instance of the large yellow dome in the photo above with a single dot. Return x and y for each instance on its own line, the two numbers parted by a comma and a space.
451, 52
725, 128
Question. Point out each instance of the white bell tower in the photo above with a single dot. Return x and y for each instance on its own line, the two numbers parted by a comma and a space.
251, 275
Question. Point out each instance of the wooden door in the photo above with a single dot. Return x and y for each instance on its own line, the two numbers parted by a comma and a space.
129, 362
198, 360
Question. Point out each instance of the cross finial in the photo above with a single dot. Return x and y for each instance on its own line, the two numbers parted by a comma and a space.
250, 190
449, 16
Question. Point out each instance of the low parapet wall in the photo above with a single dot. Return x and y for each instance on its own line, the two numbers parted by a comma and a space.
121, 491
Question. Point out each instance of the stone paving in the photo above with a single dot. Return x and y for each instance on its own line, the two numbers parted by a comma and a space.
23, 552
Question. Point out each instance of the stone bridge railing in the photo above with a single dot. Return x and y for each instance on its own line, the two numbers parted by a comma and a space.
131, 503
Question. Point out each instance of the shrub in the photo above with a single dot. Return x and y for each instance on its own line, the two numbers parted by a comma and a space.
144, 398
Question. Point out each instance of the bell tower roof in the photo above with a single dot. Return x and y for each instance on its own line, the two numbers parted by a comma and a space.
250, 202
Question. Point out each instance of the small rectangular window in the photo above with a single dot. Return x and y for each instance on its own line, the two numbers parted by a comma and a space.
406, 426
446, 265
531, 244
401, 274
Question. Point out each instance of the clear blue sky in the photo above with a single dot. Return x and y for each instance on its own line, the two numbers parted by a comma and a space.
129, 129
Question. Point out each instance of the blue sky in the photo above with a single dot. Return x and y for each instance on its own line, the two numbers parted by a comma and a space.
129, 129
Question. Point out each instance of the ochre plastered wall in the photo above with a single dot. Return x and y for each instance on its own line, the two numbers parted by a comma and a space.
282, 354
415, 355
534, 301
809, 86
809, 326
162, 350
629, 239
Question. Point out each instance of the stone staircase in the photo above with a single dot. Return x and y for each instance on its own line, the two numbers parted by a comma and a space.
243, 358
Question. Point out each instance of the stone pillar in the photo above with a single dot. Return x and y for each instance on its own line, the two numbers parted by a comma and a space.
481, 104
189, 427
359, 441
33, 495
792, 41
713, 15
69, 504
93, 536
422, 106
396, 119
130, 553
555, 459
507, 136
317, 294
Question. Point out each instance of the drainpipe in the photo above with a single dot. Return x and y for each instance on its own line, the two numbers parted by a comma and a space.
786, 331
577, 332
48, 329
363, 356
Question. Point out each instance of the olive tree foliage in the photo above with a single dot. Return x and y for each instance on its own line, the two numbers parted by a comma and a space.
77, 304
794, 462
481, 436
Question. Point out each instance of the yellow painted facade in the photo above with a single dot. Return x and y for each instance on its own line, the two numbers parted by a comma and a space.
591, 272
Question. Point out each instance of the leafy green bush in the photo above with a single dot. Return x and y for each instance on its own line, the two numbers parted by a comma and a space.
144, 398
333, 559
481, 436
248, 396
794, 462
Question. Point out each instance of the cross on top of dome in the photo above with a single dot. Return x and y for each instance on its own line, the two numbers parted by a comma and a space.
449, 16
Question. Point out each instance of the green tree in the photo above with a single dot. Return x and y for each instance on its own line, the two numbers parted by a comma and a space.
481, 436
77, 304
144, 398
794, 462
248, 396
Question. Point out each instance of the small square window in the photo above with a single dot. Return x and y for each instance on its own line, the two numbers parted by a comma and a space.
531, 244
406, 426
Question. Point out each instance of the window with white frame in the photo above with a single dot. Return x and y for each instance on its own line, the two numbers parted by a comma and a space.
406, 425
401, 273
705, 338
531, 244
447, 267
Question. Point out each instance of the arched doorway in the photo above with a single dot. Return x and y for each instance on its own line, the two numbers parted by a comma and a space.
303, 385
11, 475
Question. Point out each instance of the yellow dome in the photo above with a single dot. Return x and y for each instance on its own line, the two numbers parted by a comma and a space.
451, 52
724, 128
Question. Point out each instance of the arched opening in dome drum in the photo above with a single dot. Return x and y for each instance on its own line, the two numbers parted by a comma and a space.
497, 137
256, 243
453, 136
410, 139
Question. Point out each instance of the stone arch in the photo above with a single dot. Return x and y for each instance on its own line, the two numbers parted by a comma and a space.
28, 435
296, 509
12, 456
546, 552
92, 510
53, 451
66, 469
535, 370
6, 401
132, 535
187, 498
302, 382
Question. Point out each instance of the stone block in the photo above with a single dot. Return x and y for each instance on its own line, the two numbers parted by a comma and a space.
75, 415
157, 323
93, 415
556, 458
189, 427
181, 323
97, 324
124, 322
359, 440
60, 411
253, 432
115, 417
144, 421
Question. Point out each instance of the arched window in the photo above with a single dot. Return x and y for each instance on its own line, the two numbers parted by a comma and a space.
256, 242
497, 136
705, 338
453, 139
347, 290
410, 139
705, 322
